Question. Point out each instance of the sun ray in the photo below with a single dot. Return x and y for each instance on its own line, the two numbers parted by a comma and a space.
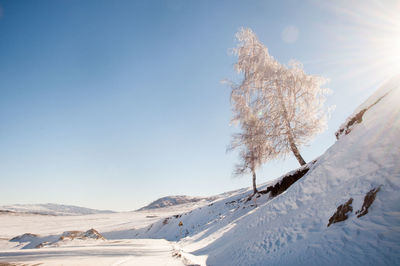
367, 39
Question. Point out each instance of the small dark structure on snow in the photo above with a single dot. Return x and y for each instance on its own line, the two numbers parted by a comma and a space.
341, 212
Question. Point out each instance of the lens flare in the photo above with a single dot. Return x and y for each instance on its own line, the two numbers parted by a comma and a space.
366, 39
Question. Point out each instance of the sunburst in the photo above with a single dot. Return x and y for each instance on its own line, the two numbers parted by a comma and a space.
367, 38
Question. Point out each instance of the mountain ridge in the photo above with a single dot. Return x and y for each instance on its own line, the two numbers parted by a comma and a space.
169, 201
50, 209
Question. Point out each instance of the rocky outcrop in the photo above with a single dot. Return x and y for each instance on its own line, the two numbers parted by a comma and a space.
287, 180
341, 212
89, 234
348, 126
357, 119
368, 200
35, 241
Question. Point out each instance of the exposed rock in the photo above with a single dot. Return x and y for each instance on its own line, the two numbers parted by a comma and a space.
2, 263
89, 234
357, 119
287, 181
349, 125
70, 235
6, 212
368, 200
234, 201
93, 234
24, 238
43, 244
36, 241
166, 220
341, 212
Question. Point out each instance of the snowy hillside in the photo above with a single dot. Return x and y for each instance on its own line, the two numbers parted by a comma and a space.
291, 228
50, 209
175, 200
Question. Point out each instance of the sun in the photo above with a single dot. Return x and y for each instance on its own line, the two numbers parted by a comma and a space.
379, 25
395, 48
371, 46
386, 44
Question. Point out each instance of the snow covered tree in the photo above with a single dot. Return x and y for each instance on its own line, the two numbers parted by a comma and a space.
251, 139
286, 102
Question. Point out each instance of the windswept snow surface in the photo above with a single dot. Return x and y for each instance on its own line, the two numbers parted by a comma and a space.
291, 229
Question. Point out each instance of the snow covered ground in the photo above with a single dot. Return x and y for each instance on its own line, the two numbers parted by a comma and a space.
117, 249
288, 229
114, 252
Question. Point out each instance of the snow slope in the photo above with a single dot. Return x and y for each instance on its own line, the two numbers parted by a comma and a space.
291, 229
51, 209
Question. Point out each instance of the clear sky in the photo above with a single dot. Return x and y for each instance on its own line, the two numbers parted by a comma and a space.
112, 104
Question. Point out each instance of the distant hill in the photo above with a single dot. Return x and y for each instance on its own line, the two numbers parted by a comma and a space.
49, 209
175, 200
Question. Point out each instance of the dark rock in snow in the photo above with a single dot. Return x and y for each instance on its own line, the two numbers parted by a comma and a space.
43, 244
341, 212
357, 119
93, 234
287, 180
349, 125
89, 234
368, 200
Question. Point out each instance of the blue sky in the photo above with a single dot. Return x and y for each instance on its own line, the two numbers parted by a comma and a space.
112, 104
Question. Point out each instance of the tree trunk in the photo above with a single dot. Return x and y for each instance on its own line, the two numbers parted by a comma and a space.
289, 133
293, 146
296, 152
254, 183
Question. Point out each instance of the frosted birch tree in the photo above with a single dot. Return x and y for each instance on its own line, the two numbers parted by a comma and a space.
251, 140
286, 102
